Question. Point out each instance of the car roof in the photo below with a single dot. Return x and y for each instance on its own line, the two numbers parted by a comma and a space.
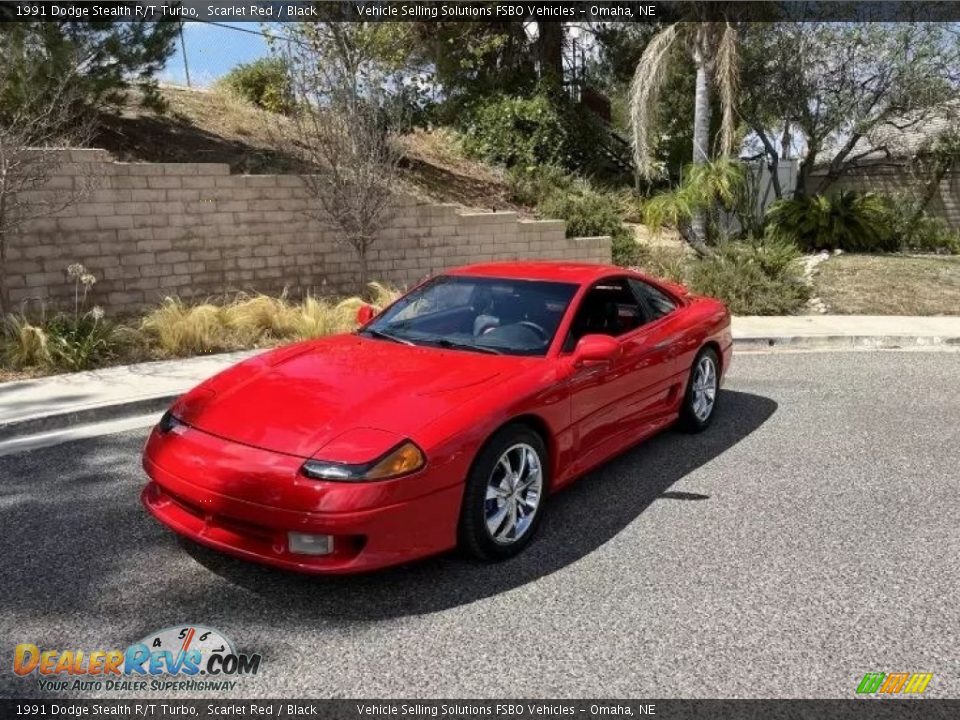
571, 272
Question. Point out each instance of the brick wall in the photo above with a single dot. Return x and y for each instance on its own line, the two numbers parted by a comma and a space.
193, 230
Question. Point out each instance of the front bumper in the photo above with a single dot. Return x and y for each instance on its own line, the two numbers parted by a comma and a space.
205, 502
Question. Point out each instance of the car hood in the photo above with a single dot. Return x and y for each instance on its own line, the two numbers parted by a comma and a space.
298, 399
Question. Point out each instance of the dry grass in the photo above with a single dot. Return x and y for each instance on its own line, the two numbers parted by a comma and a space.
177, 329
435, 169
198, 126
180, 329
216, 126
27, 344
890, 285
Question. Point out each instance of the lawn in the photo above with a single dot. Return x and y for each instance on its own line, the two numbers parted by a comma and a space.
890, 285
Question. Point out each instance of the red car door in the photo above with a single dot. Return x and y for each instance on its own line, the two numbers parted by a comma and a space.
615, 404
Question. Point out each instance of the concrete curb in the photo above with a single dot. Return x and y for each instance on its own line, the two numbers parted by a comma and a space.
843, 342
84, 416
51, 422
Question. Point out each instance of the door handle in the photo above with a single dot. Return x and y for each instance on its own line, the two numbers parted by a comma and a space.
668, 344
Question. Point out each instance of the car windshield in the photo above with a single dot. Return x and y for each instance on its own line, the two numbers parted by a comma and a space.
481, 314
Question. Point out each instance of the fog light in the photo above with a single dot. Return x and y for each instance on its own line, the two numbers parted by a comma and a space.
304, 544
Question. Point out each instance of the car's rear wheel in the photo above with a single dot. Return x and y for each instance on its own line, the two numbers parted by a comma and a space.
703, 392
503, 500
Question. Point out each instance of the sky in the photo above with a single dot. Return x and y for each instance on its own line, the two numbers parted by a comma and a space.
212, 50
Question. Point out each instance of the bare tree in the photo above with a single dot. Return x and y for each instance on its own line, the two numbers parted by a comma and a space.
39, 117
342, 131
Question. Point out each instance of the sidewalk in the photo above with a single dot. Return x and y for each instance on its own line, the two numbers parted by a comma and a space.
845, 331
50, 403
47, 404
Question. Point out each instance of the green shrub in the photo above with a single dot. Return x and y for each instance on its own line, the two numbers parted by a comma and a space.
752, 279
81, 342
775, 257
706, 188
531, 185
661, 261
516, 131
535, 130
917, 230
845, 221
589, 213
951, 243
625, 249
264, 82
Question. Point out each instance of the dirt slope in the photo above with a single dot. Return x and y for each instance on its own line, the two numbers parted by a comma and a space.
209, 126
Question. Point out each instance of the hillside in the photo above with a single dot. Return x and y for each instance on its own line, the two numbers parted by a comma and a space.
209, 126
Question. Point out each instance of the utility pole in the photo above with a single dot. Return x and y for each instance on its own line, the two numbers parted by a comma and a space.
183, 49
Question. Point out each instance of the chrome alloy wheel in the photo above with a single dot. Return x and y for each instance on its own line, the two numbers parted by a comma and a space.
514, 490
704, 388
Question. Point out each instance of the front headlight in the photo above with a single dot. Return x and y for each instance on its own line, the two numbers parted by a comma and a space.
168, 422
404, 459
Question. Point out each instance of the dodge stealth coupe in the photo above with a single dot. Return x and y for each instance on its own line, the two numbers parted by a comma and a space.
446, 420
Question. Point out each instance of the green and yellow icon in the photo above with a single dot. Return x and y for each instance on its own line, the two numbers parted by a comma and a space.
893, 683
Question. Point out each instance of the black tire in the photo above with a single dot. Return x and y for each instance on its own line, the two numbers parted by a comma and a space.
689, 420
475, 538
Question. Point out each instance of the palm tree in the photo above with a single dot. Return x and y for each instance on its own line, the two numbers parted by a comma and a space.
712, 46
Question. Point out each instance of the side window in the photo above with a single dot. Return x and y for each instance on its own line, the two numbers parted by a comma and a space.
657, 302
608, 308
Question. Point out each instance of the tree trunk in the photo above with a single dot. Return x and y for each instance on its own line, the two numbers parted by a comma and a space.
4, 290
772, 161
804, 170
786, 140
4, 226
701, 134
550, 54
362, 266
930, 189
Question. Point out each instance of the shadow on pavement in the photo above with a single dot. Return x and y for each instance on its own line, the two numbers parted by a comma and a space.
579, 520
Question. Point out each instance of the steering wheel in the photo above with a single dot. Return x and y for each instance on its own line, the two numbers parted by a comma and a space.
536, 328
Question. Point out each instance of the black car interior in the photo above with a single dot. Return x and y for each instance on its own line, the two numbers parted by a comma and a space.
524, 316
613, 307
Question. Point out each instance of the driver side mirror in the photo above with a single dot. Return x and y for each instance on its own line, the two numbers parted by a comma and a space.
595, 349
365, 313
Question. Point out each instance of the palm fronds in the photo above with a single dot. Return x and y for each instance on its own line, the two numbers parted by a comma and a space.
645, 96
846, 221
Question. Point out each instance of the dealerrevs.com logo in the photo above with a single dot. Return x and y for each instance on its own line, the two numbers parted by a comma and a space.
894, 683
188, 658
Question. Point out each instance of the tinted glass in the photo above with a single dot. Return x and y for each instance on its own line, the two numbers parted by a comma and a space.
659, 303
482, 314
608, 308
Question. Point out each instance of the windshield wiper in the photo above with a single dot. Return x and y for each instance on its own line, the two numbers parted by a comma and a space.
445, 343
387, 336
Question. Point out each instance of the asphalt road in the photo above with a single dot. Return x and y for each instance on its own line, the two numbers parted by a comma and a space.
810, 536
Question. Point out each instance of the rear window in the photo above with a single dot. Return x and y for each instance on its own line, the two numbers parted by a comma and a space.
658, 302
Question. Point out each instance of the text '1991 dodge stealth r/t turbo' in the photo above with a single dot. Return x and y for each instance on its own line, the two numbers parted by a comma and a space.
446, 420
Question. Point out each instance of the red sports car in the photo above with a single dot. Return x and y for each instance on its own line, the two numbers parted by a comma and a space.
448, 419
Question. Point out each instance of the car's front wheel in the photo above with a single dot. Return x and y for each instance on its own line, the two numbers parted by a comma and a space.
703, 392
503, 500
